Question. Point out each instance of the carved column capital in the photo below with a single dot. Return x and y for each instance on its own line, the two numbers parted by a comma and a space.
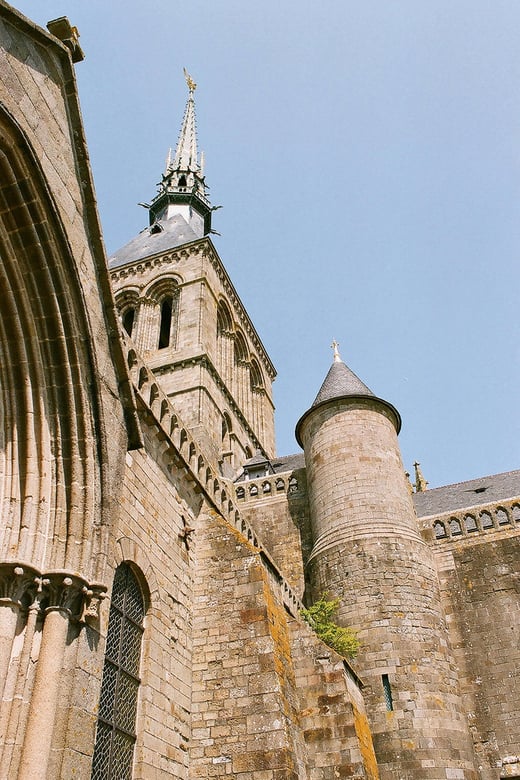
19, 583
64, 592
92, 599
24, 586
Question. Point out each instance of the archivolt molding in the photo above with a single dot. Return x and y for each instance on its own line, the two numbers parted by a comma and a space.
51, 484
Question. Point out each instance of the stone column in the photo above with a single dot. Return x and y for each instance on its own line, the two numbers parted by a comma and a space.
16, 584
64, 597
147, 331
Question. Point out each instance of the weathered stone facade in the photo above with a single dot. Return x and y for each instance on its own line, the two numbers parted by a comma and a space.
154, 553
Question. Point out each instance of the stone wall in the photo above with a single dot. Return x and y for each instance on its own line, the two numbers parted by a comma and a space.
481, 596
270, 701
277, 508
65, 400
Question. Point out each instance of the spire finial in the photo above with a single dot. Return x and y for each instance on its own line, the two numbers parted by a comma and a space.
335, 347
189, 81
186, 152
420, 483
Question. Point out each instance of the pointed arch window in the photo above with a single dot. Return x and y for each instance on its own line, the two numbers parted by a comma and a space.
115, 736
166, 322
224, 319
127, 302
164, 295
255, 376
128, 319
240, 349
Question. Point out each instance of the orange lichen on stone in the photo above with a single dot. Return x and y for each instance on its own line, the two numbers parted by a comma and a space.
366, 746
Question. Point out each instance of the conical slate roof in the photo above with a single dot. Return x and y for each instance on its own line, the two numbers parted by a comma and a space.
340, 381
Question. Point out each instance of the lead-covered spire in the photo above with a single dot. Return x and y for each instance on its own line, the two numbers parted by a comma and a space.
186, 155
183, 188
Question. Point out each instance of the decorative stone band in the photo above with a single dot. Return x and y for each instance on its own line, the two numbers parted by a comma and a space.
24, 586
345, 535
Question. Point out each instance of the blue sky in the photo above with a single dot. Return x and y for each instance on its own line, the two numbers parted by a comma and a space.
367, 155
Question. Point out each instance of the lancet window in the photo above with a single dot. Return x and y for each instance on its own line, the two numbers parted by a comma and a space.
165, 297
115, 736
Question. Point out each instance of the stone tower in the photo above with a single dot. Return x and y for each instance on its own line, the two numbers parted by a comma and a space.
368, 551
178, 305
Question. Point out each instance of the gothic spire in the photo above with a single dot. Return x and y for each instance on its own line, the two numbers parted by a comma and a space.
186, 152
183, 191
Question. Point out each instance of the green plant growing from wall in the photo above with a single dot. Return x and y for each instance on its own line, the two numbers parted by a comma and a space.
320, 618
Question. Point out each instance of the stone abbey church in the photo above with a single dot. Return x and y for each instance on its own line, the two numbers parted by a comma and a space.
155, 552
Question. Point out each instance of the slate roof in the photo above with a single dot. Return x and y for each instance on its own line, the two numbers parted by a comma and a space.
174, 232
340, 381
462, 495
288, 463
277, 465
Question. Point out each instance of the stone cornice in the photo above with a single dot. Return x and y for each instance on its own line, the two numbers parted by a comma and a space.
204, 360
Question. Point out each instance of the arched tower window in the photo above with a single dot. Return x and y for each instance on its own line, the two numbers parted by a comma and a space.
127, 302
164, 297
166, 322
240, 349
257, 381
115, 736
224, 319
128, 319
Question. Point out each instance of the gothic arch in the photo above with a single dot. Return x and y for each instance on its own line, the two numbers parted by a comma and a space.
224, 319
51, 490
241, 351
166, 285
127, 303
256, 378
165, 294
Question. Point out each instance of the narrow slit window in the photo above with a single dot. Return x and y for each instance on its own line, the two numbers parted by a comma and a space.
166, 323
128, 320
387, 689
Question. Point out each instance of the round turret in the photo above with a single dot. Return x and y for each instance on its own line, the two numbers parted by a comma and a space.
368, 551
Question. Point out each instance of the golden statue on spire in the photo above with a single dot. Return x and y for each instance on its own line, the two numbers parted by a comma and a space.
335, 347
189, 81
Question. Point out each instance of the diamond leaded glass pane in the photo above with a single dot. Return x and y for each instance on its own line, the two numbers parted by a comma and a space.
101, 762
115, 737
115, 624
108, 699
127, 702
122, 756
130, 655
134, 607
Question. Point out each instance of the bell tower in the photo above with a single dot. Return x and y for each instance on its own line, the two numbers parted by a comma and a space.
368, 551
181, 311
